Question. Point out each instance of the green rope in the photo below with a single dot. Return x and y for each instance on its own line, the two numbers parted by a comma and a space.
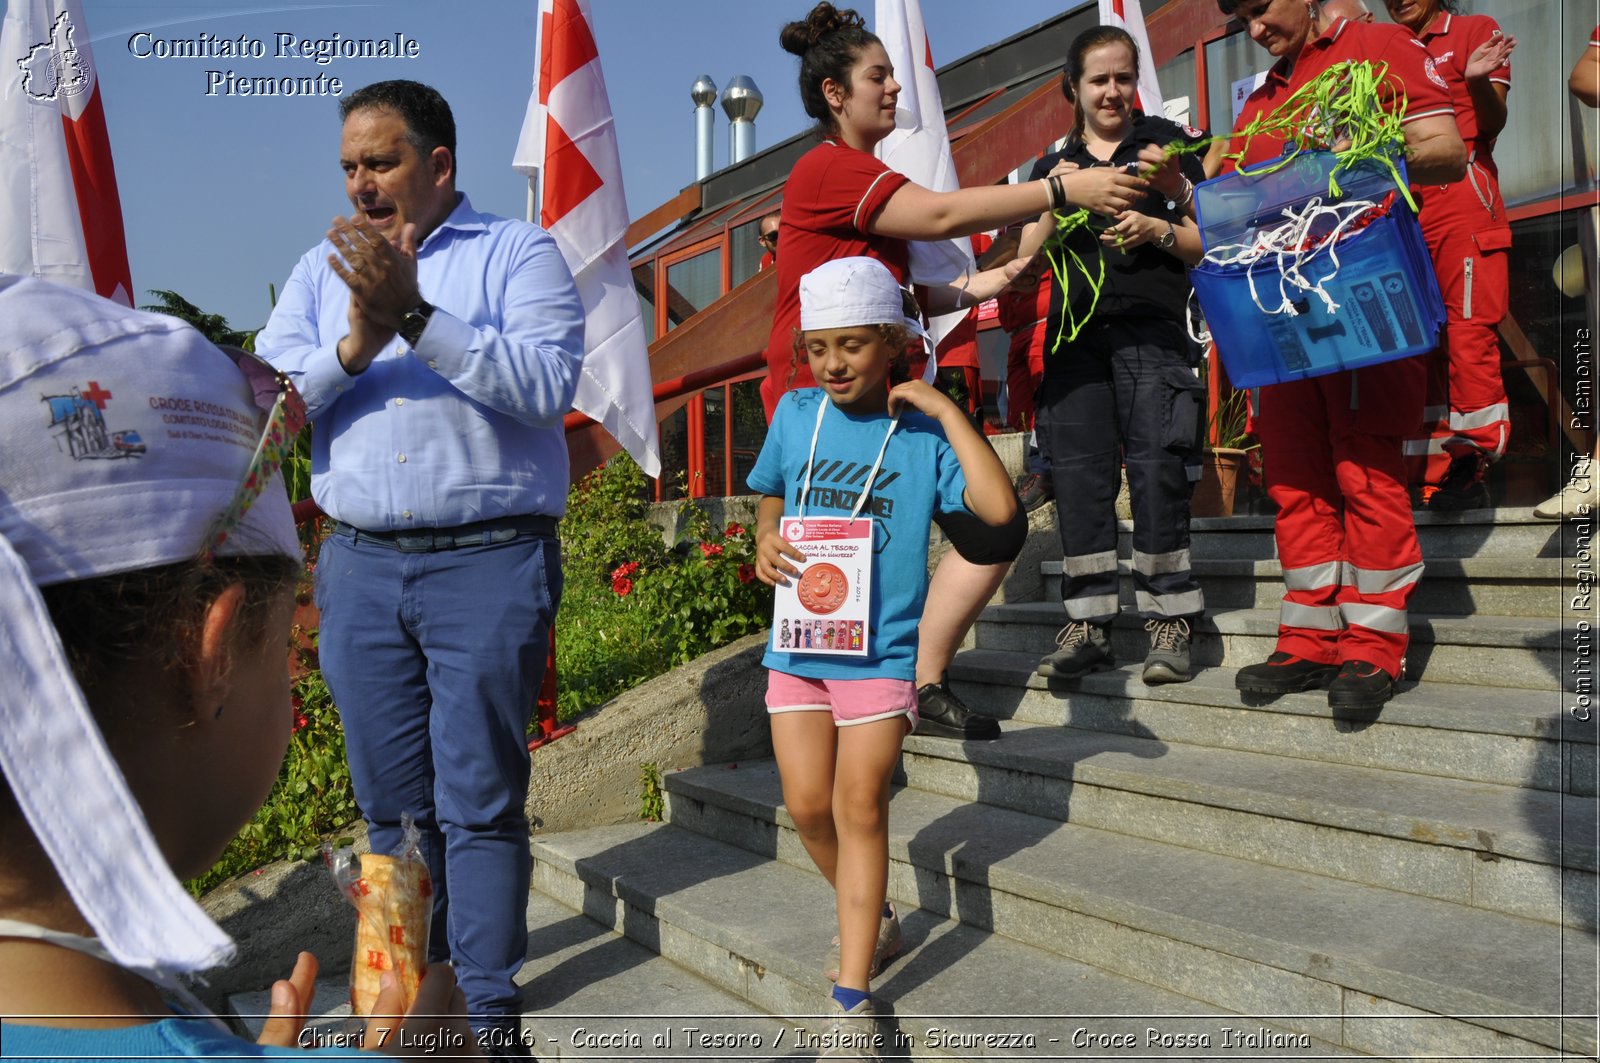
1341, 105
1063, 260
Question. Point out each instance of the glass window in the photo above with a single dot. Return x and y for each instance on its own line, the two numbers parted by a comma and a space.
715, 401
749, 430
674, 455
1535, 150
644, 282
1231, 59
1177, 80
745, 260
692, 285
1551, 321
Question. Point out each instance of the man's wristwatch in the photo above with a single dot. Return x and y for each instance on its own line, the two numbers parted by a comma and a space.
413, 321
1167, 239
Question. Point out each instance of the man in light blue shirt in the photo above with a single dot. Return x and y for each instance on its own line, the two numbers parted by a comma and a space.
438, 350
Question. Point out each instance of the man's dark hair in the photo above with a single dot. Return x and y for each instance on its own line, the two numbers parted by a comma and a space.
429, 123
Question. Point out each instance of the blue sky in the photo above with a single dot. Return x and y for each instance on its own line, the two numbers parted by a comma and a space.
221, 194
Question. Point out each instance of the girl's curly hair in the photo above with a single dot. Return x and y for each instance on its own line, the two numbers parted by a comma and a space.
899, 338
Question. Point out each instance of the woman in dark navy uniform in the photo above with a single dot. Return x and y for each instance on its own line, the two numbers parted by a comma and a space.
1123, 392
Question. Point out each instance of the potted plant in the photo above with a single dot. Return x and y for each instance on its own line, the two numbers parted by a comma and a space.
1226, 459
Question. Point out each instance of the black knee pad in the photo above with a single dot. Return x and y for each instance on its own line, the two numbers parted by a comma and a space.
982, 544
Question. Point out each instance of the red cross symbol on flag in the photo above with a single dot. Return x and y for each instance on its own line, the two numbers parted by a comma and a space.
569, 141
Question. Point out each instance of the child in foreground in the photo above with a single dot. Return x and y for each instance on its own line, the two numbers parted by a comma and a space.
838, 721
147, 573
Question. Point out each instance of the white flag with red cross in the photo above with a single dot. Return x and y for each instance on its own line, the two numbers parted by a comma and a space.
1126, 14
919, 147
568, 138
60, 218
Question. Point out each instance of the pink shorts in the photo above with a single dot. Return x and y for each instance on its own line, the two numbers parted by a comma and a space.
851, 701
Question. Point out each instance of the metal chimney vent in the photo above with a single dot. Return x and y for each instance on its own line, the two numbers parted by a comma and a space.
741, 101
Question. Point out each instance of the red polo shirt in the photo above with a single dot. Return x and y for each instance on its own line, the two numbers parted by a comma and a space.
1451, 39
832, 193
1411, 69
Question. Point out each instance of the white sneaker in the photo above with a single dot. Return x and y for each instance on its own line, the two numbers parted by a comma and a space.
1580, 498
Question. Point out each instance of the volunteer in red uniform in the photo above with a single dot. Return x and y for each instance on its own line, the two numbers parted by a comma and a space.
959, 374
1465, 417
1331, 444
1024, 312
841, 201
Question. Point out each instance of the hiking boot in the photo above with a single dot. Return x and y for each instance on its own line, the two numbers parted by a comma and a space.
1168, 659
852, 1034
1084, 647
940, 714
1034, 490
887, 948
1360, 686
1463, 486
1284, 673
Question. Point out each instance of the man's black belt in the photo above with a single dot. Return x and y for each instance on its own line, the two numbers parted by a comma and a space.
428, 540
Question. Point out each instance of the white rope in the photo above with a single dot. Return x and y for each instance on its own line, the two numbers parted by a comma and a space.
1293, 247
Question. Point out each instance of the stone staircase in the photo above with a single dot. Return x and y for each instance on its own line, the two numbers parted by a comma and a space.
1139, 871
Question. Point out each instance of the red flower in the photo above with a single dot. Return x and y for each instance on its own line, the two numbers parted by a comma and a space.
711, 549
624, 570
747, 573
301, 722
733, 529
622, 585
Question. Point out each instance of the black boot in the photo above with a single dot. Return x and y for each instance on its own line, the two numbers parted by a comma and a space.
1361, 687
1284, 673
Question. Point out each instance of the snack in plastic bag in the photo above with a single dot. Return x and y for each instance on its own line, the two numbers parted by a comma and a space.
393, 899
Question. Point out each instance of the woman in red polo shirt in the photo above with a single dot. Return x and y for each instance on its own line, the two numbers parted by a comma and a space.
841, 201
1332, 445
1465, 419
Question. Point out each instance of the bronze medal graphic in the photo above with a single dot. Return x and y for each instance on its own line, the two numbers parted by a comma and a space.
822, 588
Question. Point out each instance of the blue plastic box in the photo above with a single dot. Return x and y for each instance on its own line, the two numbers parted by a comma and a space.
1388, 295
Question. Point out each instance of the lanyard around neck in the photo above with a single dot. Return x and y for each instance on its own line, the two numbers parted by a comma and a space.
811, 461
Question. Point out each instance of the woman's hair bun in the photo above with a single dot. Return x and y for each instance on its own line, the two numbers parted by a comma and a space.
799, 37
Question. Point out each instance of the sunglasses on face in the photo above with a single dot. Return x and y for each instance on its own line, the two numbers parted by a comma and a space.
769, 238
275, 395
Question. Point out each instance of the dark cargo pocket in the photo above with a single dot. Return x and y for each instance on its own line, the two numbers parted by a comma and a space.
1186, 401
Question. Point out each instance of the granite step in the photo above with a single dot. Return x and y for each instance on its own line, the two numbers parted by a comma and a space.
1473, 733
1492, 586
1512, 532
1503, 848
1522, 652
1508, 533
590, 993
1318, 954
759, 928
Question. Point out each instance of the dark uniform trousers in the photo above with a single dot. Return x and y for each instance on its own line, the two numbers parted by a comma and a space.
1123, 394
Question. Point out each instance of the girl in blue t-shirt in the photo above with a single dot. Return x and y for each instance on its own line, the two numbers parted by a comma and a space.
837, 721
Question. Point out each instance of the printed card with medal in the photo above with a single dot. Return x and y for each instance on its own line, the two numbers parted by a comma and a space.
825, 609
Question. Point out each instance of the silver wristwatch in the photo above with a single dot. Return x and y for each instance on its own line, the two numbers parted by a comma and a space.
1168, 239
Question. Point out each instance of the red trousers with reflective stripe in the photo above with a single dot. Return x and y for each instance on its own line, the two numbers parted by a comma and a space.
1465, 406
1331, 452
1024, 370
